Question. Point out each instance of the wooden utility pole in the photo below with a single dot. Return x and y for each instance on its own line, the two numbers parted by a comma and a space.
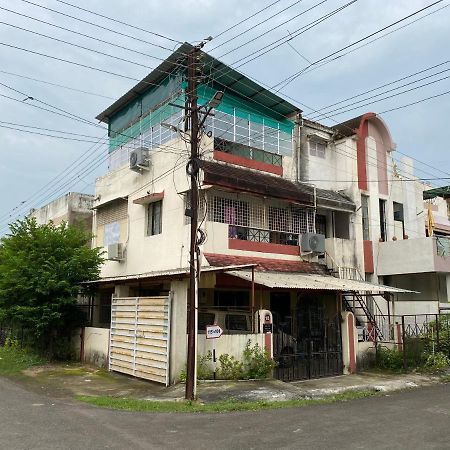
193, 167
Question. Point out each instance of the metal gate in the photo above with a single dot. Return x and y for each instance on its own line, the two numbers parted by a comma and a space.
307, 344
140, 337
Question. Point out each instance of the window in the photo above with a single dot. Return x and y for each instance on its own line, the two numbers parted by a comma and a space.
365, 217
317, 148
236, 322
399, 217
154, 218
383, 223
205, 319
321, 224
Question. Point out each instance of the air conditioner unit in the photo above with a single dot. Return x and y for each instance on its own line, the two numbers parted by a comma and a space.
115, 252
312, 242
139, 159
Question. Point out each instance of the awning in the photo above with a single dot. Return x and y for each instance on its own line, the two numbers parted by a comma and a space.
150, 198
312, 281
182, 272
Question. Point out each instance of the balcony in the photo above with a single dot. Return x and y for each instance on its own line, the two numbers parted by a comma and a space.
428, 254
246, 156
259, 240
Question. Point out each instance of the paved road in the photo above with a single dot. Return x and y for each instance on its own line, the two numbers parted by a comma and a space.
418, 419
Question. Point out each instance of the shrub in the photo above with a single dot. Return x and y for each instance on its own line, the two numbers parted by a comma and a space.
389, 359
437, 361
257, 362
204, 371
230, 368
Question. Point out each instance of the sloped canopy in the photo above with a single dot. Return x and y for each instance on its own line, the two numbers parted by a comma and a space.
312, 281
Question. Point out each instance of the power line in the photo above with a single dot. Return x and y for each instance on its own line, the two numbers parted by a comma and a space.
96, 25
415, 103
325, 108
49, 135
311, 69
296, 33
55, 84
119, 21
78, 46
81, 34
292, 77
256, 25
331, 114
245, 20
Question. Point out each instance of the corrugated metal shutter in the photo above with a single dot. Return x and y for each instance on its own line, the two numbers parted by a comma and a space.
112, 212
140, 337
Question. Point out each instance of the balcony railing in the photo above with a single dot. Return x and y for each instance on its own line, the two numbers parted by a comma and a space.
247, 152
259, 235
443, 246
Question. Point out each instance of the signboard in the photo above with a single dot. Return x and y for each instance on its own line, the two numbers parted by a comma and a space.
213, 332
267, 328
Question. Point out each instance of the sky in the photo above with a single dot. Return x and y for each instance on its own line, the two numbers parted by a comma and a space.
34, 169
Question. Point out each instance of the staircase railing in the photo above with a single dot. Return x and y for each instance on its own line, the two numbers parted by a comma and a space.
377, 325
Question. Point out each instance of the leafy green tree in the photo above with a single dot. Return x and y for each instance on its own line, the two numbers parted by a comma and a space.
41, 268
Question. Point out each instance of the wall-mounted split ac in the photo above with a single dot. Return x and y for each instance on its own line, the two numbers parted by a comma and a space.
312, 243
140, 159
115, 252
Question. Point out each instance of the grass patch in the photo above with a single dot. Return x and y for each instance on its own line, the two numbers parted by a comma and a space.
14, 360
130, 404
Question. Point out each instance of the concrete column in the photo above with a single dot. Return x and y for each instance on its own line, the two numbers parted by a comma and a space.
349, 342
121, 290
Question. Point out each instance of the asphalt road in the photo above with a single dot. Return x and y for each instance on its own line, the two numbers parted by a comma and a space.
416, 419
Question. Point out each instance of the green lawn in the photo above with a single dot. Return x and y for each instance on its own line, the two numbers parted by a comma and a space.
13, 360
130, 404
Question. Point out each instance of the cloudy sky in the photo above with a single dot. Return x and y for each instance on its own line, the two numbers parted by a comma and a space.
35, 169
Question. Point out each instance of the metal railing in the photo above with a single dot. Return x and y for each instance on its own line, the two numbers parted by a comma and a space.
248, 152
260, 235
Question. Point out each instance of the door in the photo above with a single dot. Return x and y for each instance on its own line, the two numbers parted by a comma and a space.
307, 344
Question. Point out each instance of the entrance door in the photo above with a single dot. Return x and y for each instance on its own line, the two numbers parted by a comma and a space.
307, 344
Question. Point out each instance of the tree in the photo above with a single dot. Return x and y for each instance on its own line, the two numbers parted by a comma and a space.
41, 269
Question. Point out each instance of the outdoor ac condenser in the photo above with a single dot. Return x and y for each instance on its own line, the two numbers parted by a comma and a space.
115, 252
139, 159
312, 242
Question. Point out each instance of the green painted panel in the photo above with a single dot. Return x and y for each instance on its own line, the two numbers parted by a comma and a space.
245, 109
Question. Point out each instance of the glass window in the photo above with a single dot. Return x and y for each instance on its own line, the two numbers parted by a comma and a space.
236, 322
317, 148
154, 218
383, 220
205, 319
365, 217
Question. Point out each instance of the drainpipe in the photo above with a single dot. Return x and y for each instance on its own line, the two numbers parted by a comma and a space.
303, 154
297, 146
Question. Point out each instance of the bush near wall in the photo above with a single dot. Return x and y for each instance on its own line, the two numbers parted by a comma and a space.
256, 363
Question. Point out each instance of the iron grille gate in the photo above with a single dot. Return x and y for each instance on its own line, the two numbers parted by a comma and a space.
307, 345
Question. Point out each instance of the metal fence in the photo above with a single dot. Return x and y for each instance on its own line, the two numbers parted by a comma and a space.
413, 337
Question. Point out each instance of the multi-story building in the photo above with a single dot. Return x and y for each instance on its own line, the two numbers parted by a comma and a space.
71, 208
289, 209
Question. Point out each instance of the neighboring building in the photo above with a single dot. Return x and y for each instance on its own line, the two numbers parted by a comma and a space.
272, 185
72, 208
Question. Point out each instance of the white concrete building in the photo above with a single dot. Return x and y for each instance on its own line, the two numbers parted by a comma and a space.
72, 208
272, 185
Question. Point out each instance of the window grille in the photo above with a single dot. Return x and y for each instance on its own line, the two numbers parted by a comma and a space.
243, 131
149, 137
259, 214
